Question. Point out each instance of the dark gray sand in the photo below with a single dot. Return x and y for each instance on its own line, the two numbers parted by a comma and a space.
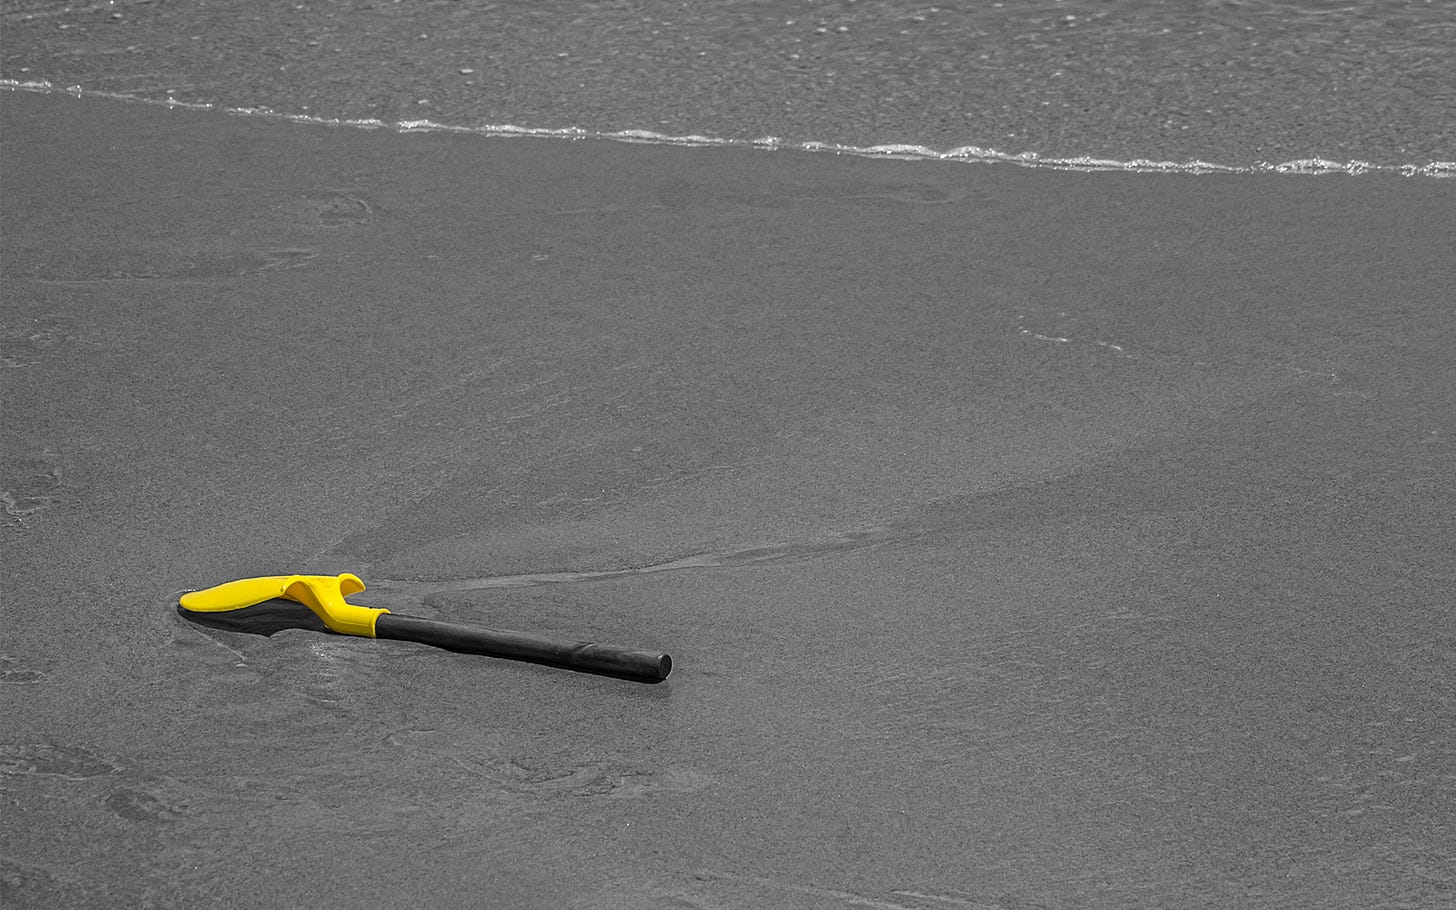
1023, 539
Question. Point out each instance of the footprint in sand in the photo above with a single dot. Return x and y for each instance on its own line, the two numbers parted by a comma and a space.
574, 777
79, 764
14, 672
170, 263
51, 760
283, 259
28, 486
140, 806
27, 343
596, 779
905, 193
332, 209
916, 194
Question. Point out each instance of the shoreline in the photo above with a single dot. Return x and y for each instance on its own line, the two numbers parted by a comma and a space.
1304, 167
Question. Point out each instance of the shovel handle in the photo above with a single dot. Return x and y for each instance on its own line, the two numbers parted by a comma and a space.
588, 657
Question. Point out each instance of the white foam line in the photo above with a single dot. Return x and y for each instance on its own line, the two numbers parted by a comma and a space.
969, 154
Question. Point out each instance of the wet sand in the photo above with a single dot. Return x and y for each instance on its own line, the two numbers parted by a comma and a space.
1022, 539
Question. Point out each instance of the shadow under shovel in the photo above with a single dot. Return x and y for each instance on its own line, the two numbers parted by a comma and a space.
264, 618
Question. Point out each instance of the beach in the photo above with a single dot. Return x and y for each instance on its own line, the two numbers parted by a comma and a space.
1022, 537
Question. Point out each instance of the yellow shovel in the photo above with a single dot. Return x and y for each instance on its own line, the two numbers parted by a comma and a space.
324, 595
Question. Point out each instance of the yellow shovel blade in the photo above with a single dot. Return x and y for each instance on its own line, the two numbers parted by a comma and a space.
323, 594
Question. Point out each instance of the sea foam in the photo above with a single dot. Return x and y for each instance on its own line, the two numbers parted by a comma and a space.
970, 154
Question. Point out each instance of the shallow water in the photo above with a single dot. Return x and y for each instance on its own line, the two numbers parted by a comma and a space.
1223, 81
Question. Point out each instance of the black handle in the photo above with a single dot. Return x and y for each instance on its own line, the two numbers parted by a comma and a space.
588, 657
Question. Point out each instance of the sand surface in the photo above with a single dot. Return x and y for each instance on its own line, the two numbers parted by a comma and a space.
1023, 539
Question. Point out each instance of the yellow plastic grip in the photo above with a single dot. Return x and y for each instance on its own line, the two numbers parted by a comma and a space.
323, 594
